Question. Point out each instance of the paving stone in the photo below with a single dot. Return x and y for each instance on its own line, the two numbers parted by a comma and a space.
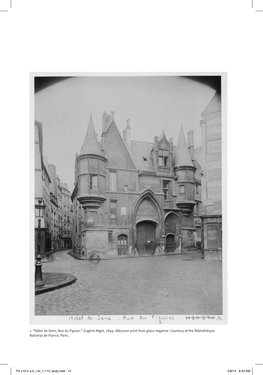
167, 285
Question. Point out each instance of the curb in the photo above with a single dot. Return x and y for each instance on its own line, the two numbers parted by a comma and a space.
70, 279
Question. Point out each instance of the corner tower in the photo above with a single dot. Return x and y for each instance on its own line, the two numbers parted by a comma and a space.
185, 173
91, 171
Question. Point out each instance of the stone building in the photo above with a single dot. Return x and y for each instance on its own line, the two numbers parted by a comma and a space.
54, 227
212, 178
212, 157
67, 217
42, 181
133, 197
51, 192
61, 212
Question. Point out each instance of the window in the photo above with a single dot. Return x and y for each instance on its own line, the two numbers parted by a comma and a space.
93, 182
163, 161
123, 211
122, 240
181, 189
113, 212
166, 190
125, 187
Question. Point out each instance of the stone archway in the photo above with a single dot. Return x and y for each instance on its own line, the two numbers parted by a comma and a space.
147, 210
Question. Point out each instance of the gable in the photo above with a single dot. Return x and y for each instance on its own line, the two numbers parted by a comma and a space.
164, 145
115, 149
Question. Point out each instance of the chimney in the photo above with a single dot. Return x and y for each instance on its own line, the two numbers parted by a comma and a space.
190, 141
104, 121
112, 115
128, 133
124, 135
171, 144
156, 142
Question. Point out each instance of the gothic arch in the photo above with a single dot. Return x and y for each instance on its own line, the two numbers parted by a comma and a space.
171, 213
172, 223
147, 194
172, 226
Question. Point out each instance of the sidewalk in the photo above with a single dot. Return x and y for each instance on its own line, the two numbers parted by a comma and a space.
187, 254
54, 281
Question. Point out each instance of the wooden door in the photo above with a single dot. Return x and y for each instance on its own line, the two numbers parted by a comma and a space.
122, 245
146, 238
170, 243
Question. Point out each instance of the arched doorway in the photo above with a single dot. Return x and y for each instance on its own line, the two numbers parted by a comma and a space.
146, 237
170, 243
122, 244
172, 232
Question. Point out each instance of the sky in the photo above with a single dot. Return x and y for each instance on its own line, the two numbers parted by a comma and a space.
152, 103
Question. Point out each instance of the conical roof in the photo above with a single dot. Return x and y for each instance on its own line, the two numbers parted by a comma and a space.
182, 156
91, 144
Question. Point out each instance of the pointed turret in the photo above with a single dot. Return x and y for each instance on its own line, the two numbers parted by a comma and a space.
91, 144
184, 171
90, 171
182, 156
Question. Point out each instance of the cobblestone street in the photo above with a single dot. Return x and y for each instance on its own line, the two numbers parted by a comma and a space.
165, 285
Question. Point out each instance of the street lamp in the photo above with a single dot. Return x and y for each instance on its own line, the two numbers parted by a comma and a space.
38, 272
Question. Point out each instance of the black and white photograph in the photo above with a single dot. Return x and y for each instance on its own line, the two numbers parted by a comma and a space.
128, 196
131, 209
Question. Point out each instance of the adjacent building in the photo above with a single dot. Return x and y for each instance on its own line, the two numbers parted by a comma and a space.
49, 191
133, 197
67, 217
212, 178
42, 181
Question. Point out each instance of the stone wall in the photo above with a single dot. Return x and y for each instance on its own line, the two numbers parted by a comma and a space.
94, 241
188, 239
103, 242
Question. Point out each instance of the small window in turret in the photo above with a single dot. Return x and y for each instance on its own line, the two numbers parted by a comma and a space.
93, 182
181, 189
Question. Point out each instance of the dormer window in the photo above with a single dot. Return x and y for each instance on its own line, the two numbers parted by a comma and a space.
163, 161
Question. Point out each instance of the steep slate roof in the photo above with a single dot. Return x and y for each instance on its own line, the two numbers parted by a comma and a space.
182, 156
139, 151
91, 144
113, 127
